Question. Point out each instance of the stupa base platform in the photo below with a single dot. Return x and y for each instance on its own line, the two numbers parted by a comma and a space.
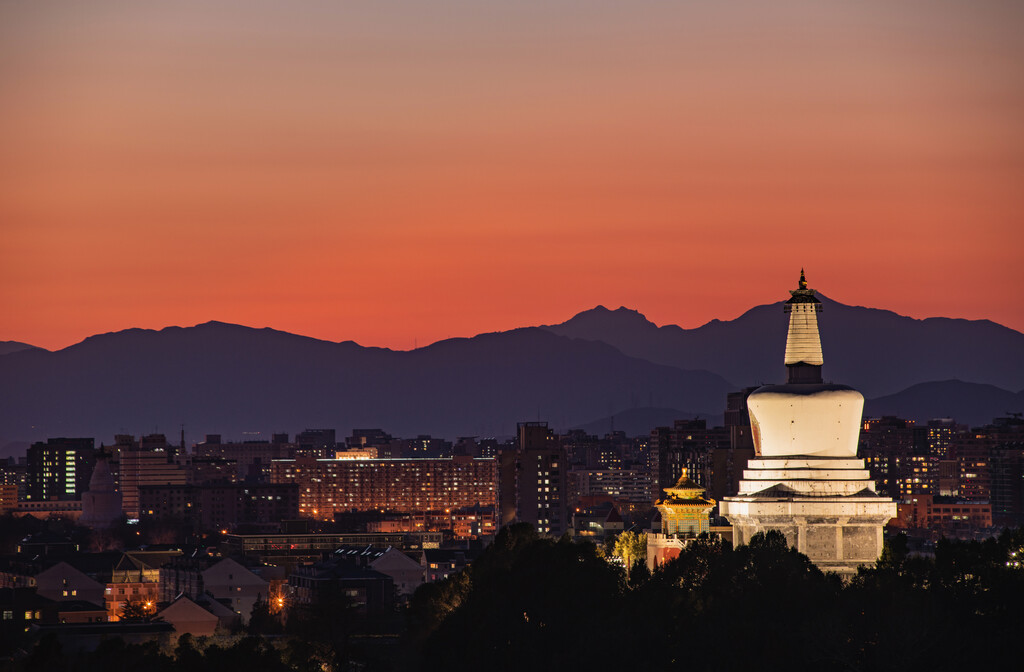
837, 534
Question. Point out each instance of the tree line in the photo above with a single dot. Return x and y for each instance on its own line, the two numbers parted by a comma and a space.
532, 603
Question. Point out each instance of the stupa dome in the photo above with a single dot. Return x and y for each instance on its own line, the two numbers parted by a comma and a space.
805, 419
102, 480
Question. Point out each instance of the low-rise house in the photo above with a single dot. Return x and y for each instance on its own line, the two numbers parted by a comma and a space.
439, 564
223, 579
20, 609
64, 582
597, 523
188, 617
406, 573
80, 611
335, 580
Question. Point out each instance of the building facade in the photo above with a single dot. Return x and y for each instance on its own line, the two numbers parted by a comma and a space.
59, 469
220, 506
541, 481
402, 485
149, 461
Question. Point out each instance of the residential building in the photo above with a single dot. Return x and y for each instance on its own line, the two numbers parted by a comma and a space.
597, 523
291, 549
439, 564
146, 462
214, 460
406, 574
945, 516
631, 486
398, 485
64, 582
541, 478
59, 469
359, 590
222, 579
221, 506
316, 443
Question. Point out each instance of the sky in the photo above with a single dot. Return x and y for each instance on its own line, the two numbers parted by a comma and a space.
400, 172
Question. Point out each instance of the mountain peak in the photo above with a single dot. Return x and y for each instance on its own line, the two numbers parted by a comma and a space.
602, 317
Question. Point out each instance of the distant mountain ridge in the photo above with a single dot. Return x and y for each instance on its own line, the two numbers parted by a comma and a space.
875, 351
7, 347
222, 378
971, 404
228, 379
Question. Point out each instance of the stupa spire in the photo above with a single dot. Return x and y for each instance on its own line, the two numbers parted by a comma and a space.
803, 343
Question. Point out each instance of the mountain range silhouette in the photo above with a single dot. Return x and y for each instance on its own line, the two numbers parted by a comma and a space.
597, 366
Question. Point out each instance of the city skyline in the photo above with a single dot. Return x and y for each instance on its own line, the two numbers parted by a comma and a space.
399, 174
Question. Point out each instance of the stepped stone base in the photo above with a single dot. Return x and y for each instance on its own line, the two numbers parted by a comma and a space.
827, 508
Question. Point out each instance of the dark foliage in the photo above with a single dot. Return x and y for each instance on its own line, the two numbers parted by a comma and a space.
531, 603
536, 604
526, 603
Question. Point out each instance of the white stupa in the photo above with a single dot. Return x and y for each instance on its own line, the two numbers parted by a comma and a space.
806, 480
101, 504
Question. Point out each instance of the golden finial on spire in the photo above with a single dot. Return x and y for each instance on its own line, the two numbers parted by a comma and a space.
803, 280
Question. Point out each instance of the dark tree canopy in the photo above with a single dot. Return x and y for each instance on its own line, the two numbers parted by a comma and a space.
539, 604
531, 603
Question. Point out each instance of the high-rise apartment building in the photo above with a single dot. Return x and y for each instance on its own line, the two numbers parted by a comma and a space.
59, 469
224, 505
317, 443
729, 458
897, 454
625, 486
213, 459
541, 468
145, 462
942, 432
689, 445
401, 486
972, 452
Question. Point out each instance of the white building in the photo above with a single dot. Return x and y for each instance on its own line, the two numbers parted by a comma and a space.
101, 505
806, 480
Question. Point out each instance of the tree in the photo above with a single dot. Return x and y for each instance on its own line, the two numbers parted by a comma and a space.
529, 602
262, 620
134, 611
632, 548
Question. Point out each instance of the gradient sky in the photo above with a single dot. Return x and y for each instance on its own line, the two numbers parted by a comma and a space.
400, 172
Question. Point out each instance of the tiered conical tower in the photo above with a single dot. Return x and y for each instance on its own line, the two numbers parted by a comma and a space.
806, 480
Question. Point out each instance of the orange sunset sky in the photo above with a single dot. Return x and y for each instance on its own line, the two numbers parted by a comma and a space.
399, 172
